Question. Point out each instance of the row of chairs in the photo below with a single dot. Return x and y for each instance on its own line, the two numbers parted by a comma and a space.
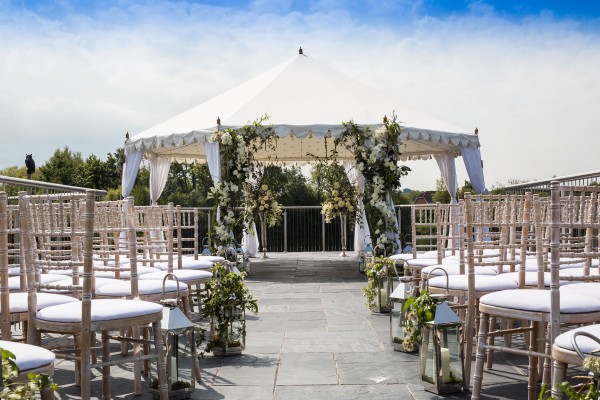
74, 267
524, 265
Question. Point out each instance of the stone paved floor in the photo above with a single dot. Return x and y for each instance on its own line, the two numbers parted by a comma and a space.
313, 338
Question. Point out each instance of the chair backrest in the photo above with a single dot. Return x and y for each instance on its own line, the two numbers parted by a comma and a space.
4, 290
61, 227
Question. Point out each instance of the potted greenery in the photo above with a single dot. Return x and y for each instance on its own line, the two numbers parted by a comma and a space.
225, 301
379, 284
419, 309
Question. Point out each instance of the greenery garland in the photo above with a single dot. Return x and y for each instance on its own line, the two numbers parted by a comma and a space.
377, 155
237, 149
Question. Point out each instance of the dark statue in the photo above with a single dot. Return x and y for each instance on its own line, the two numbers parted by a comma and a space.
30, 164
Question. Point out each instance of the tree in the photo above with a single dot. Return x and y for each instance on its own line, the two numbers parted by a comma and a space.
441, 193
290, 187
64, 167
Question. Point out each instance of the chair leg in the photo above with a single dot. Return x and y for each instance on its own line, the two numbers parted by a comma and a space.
161, 367
559, 375
490, 341
105, 368
480, 356
533, 361
137, 364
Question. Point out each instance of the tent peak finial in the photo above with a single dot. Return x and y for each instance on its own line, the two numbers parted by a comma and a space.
218, 121
300, 51
476, 131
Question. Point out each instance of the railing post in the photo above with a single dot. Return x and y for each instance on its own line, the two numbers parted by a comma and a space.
209, 226
323, 230
285, 236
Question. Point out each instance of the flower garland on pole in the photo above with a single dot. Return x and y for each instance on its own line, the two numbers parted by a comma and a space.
377, 155
236, 149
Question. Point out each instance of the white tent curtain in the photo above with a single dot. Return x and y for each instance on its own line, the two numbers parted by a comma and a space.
159, 173
213, 159
448, 169
361, 230
250, 240
130, 171
472, 160
390, 235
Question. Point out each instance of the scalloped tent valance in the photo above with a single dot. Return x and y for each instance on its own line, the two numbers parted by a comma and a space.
307, 103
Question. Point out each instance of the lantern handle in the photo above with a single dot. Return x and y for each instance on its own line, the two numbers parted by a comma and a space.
576, 346
447, 279
375, 250
164, 297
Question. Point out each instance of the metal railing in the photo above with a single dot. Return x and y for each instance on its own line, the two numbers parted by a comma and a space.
303, 228
12, 186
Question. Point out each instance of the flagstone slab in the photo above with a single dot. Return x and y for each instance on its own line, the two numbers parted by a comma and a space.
307, 369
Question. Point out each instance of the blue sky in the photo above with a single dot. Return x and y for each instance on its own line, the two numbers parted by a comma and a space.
81, 74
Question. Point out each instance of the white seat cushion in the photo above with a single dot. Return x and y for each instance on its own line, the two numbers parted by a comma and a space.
207, 258
18, 301
183, 275
141, 269
422, 262
591, 289
187, 263
454, 269
531, 278
69, 281
145, 287
538, 300
483, 283
102, 310
28, 357
409, 256
586, 345
14, 282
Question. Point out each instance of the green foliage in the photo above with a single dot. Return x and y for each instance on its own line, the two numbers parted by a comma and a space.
381, 266
11, 389
225, 296
441, 194
290, 187
419, 309
64, 167
466, 188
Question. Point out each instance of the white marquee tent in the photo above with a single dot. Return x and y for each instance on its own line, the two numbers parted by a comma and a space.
306, 103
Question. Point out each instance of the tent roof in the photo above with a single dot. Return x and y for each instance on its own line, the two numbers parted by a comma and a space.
306, 102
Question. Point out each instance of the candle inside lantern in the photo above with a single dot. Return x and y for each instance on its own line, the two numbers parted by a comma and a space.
445, 356
384, 297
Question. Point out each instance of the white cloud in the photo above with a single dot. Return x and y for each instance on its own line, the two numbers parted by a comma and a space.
82, 81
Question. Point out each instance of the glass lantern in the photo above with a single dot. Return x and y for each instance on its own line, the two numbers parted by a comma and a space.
235, 341
441, 354
398, 298
205, 248
243, 260
181, 356
369, 255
